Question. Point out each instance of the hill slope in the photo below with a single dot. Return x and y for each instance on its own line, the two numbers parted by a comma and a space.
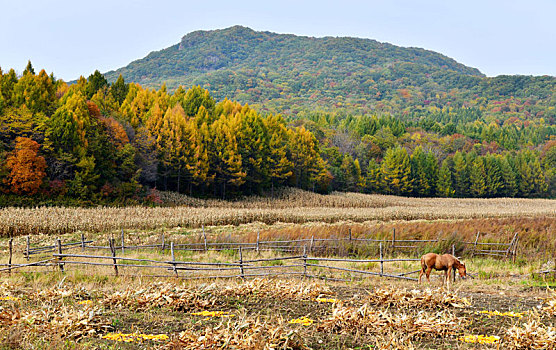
282, 70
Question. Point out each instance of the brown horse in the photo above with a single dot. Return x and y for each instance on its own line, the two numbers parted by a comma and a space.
446, 263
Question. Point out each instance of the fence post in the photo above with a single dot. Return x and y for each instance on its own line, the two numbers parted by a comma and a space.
510, 246
205, 238
60, 264
312, 242
258, 236
381, 260
28, 247
173, 258
163, 245
123, 245
241, 263
453, 271
514, 253
113, 249
305, 261
82, 242
10, 243
350, 234
475, 244
393, 239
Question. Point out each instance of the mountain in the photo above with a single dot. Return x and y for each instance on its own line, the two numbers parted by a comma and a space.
287, 72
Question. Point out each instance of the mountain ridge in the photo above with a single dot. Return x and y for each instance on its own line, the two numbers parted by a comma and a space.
269, 69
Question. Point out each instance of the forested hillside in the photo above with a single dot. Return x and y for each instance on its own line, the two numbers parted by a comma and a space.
288, 74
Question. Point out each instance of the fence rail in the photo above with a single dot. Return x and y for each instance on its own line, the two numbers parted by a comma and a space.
323, 245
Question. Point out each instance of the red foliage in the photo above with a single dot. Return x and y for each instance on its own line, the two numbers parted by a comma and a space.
57, 187
93, 109
116, 131
26, 167
107, 190
153, 196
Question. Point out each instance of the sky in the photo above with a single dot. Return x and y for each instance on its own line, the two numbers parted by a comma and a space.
73, 37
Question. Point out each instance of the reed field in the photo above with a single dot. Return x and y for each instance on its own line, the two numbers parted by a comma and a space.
292, 206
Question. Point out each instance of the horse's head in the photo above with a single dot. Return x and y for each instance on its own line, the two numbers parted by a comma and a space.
461, 269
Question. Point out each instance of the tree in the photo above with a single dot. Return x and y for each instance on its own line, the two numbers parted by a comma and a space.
279, 166
29, 69
36, 92
352, 172
421, 178
373, 179
119, 90
460, 176
308, 166
531, 177
493, 179
224, 154
69, 128
195, 98
26, 167
96, 82
396, 171
7, 84
509, 181
477, 178
444, 185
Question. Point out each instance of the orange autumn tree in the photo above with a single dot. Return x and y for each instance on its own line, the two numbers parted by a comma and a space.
26, 167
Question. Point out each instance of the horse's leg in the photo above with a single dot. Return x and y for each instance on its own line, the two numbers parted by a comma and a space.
448, 275
428, 274
420, 275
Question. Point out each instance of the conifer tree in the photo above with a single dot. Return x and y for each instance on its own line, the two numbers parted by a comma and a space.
279, 166
373, 179
396, 172
460, 175
509, 181
119, 90
493, 178
444, 185
477, 178
29, 69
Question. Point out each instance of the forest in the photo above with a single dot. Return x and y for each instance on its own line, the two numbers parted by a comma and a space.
95, 142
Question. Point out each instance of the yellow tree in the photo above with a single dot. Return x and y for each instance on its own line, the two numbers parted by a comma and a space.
224, 155
171, 143
279, 166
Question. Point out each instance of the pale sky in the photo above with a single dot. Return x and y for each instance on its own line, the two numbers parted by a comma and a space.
73, 37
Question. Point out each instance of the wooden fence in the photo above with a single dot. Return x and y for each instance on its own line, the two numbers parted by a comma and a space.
311, 253
303, 265
313, 245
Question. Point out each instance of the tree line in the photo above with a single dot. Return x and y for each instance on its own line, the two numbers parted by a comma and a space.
97, 142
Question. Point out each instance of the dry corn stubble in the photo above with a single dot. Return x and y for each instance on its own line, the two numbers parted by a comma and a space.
367, 320
275, 288
531, 335
247, 333
428, 298
550, 308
